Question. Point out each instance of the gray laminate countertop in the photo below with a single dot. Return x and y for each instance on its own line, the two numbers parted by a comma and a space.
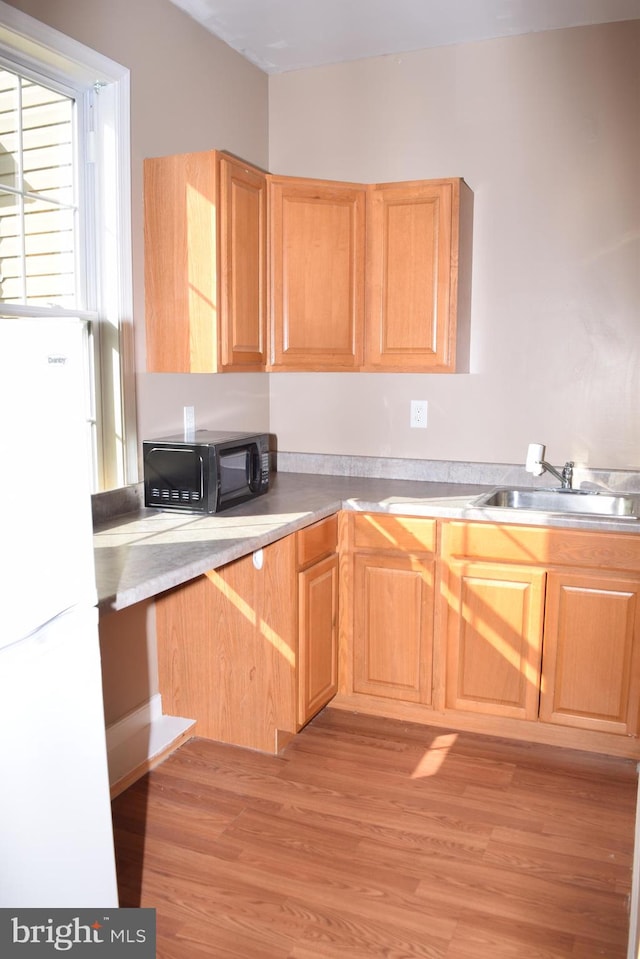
141, 554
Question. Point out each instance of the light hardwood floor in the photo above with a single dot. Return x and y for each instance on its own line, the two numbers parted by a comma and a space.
371, 838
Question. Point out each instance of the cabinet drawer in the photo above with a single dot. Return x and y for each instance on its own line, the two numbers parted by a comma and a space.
317, 541
536, 544
382, 531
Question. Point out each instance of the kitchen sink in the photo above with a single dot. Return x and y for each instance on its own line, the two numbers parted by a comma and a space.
590, 502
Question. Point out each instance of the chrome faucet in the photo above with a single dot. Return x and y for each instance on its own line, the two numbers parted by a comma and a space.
536, 464
565, 476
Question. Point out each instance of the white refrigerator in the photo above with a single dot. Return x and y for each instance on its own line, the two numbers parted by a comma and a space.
56, 836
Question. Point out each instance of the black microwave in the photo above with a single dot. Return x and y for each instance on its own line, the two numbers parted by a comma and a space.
211, 472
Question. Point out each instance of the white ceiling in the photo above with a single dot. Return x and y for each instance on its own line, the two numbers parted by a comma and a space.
282, 35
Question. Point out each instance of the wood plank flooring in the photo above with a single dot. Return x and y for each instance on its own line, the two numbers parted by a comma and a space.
370, 837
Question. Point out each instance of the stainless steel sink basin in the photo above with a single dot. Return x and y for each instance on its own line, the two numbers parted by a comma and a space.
590, 502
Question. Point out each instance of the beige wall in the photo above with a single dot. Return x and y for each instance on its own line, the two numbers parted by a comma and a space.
546, 131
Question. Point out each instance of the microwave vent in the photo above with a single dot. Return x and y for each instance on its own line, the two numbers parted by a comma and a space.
174, 495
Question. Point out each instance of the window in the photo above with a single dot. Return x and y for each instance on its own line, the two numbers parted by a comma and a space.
37, 196
65, 215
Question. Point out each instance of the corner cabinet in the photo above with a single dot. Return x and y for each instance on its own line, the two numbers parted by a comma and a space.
418, 276
227, 648
373, 278
317, 244
249, 650
205, 229
543, 625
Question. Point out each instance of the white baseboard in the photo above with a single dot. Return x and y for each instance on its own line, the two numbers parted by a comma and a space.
143, 734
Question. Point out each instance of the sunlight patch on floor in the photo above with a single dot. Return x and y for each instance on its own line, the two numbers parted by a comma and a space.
434, 756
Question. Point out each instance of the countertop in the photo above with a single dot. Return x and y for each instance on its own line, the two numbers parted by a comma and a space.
143, 553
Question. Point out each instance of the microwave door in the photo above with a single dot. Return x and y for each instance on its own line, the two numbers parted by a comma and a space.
175, 476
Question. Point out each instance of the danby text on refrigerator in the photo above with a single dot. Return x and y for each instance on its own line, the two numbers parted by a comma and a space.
56, 835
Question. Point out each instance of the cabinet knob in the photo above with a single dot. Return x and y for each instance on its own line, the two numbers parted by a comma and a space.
258, 559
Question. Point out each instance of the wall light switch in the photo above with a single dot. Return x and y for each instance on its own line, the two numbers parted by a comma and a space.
419, 414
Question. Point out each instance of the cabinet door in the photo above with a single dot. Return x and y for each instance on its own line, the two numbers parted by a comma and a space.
412, 313
393, 626
243, 266
205, 264
317, 274
494, 638
227, 650
591, 663
317, 637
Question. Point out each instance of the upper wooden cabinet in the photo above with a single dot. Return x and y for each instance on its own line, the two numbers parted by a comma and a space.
373, 278
205, 224
418, 276
385, 291
317, 246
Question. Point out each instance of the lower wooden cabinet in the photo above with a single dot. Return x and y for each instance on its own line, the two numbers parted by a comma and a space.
391, 607
591, 658
494, 638
250, 650
227, 648
521, 631
317, 617
393, 626
543, 625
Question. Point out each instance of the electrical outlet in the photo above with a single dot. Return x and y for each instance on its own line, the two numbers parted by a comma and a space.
189, 422
419, 414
